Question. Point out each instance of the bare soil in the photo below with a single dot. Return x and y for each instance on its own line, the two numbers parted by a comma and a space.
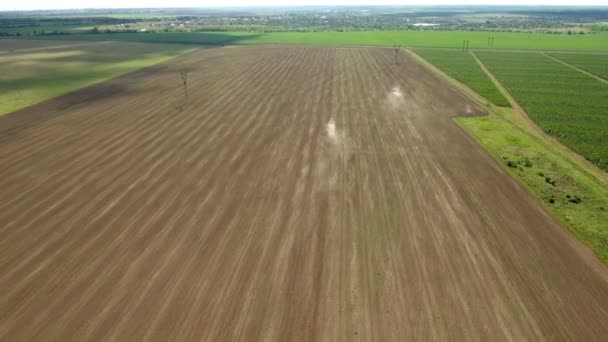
290, 194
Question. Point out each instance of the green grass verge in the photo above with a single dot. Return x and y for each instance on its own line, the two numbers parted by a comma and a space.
464, 68
30, 77
575, 197
423, 38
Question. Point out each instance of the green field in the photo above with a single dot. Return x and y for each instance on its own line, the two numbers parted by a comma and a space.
45, 28
194, 38
564, 102
464, 68
30, 75
595, 64
423, 38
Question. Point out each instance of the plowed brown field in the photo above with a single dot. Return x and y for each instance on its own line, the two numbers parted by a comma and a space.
241, 211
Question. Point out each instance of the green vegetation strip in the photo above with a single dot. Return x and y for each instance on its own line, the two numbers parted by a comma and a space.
577, 198
30, 77
563, 101
413, 38
463, 67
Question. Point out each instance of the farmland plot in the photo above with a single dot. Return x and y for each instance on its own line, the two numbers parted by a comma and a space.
464, 68
34, 71
595, 64
410, 38
281, 194
564, 102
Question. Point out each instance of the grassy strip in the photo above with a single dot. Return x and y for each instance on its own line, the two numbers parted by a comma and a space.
463, 67
575, 197
30, 77
423, 38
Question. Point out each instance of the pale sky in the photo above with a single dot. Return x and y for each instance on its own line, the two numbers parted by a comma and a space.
69, 4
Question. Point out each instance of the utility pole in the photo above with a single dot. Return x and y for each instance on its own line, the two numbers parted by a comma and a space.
397, 48
184, 76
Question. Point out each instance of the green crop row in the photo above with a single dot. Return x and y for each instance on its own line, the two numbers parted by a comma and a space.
595, 64
564, 102
464, 68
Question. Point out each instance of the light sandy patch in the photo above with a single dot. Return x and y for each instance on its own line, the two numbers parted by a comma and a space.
468, 109
331, 130
397, 91
395, 97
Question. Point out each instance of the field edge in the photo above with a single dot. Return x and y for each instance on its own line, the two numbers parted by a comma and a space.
578, 197
92, 80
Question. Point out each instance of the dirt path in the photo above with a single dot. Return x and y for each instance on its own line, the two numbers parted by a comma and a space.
242, 211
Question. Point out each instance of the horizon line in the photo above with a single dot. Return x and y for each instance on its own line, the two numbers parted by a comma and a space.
302, 6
